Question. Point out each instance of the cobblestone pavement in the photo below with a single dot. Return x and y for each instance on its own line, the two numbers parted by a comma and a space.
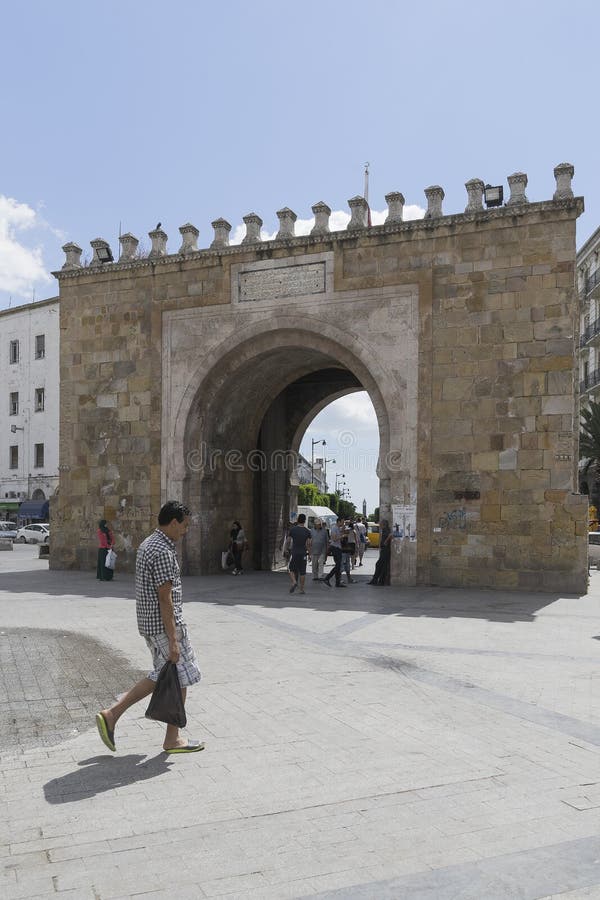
361, 743
52, 682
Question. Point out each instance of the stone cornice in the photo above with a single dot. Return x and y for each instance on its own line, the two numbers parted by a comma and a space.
415, 226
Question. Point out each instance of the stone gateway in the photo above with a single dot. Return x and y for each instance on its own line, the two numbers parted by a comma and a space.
194, 375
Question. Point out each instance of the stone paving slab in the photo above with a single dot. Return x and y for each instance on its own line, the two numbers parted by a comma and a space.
360, 743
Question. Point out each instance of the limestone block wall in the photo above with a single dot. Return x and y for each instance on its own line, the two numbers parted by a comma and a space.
463, 333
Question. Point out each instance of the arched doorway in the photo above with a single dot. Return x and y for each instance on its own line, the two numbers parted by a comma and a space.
347, 462
240, 420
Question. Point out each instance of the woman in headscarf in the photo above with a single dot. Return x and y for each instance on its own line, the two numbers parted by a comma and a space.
106, 541
237, 546
382, 566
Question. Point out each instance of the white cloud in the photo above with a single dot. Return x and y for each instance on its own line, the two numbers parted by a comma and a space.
21, 266
355, 407
338, 221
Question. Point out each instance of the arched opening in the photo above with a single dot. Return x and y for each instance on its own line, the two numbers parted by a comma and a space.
242, 421
38, 494
347, 462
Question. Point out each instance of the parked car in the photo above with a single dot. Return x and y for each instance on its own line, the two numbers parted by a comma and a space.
8, 531
37, 533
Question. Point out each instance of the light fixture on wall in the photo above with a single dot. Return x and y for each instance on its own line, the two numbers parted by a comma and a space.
493, 195
104, 254
15, 428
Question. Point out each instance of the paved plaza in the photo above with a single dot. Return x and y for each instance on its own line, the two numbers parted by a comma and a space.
360, 743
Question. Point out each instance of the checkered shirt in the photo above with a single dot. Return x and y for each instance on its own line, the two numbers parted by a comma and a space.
156, 563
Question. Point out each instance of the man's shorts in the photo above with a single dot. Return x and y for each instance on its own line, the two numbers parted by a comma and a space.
298, 563
187, 667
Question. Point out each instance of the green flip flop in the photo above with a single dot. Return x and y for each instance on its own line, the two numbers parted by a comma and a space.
107, 736
190, 747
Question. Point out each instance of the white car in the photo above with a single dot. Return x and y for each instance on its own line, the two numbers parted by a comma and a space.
38, 533
8, 531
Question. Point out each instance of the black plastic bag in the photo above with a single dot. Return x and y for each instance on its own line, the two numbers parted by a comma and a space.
166, 703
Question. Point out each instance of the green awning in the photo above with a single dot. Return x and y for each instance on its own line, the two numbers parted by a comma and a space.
10, 504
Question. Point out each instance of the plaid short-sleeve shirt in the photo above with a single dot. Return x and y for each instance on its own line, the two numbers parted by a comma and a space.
156, 563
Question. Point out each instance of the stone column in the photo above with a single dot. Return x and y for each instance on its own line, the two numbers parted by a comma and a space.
99, 244
360, 213
129, 245
395, 202
321, 212
159, 242
435, 195
222, 229
475, 188
563, 174
189, 238
517, 183
287, 219
73, 253
253, 225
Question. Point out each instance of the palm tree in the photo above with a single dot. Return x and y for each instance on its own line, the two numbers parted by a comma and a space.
589, 435
589, 443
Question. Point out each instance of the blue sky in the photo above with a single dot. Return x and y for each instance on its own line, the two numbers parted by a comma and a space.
131, 113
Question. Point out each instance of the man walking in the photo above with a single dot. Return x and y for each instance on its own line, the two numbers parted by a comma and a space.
318, 549
159, 609
299, 537
335, 544
361, 530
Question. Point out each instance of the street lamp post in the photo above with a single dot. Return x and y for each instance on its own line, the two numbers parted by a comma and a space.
325, 461
312, 457
338, 475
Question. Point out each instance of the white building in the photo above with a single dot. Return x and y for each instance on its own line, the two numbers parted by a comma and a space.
308, 474
588, 284
29, 407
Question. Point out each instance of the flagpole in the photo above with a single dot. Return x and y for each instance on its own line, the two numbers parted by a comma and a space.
366, 194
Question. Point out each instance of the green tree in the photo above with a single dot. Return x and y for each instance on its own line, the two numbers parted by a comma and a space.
346, 509
376, 515
308, 495
589, 448
589, 434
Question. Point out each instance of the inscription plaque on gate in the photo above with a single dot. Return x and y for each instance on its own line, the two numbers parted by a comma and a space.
282, 281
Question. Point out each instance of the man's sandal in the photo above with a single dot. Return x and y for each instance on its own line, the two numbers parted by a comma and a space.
190, 747
107, 735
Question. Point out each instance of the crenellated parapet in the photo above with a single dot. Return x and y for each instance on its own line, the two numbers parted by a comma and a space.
479, 204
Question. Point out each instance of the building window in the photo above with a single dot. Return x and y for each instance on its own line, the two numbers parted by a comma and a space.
38, 455
13, 462
14, 352
586, 370
14, 403
40, 346
39, 399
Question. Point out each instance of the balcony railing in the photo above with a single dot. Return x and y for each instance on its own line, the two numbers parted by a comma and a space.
590, 331
590, 381
592, 281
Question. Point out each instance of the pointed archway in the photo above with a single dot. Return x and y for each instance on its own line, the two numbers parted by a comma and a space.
239, 422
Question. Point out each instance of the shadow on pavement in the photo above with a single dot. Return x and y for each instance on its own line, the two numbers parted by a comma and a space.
61, 583
271, 591
104, 773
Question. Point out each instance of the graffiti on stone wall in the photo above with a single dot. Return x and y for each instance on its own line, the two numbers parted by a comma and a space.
453, 520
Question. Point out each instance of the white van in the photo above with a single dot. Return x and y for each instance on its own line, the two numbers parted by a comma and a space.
318, 512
